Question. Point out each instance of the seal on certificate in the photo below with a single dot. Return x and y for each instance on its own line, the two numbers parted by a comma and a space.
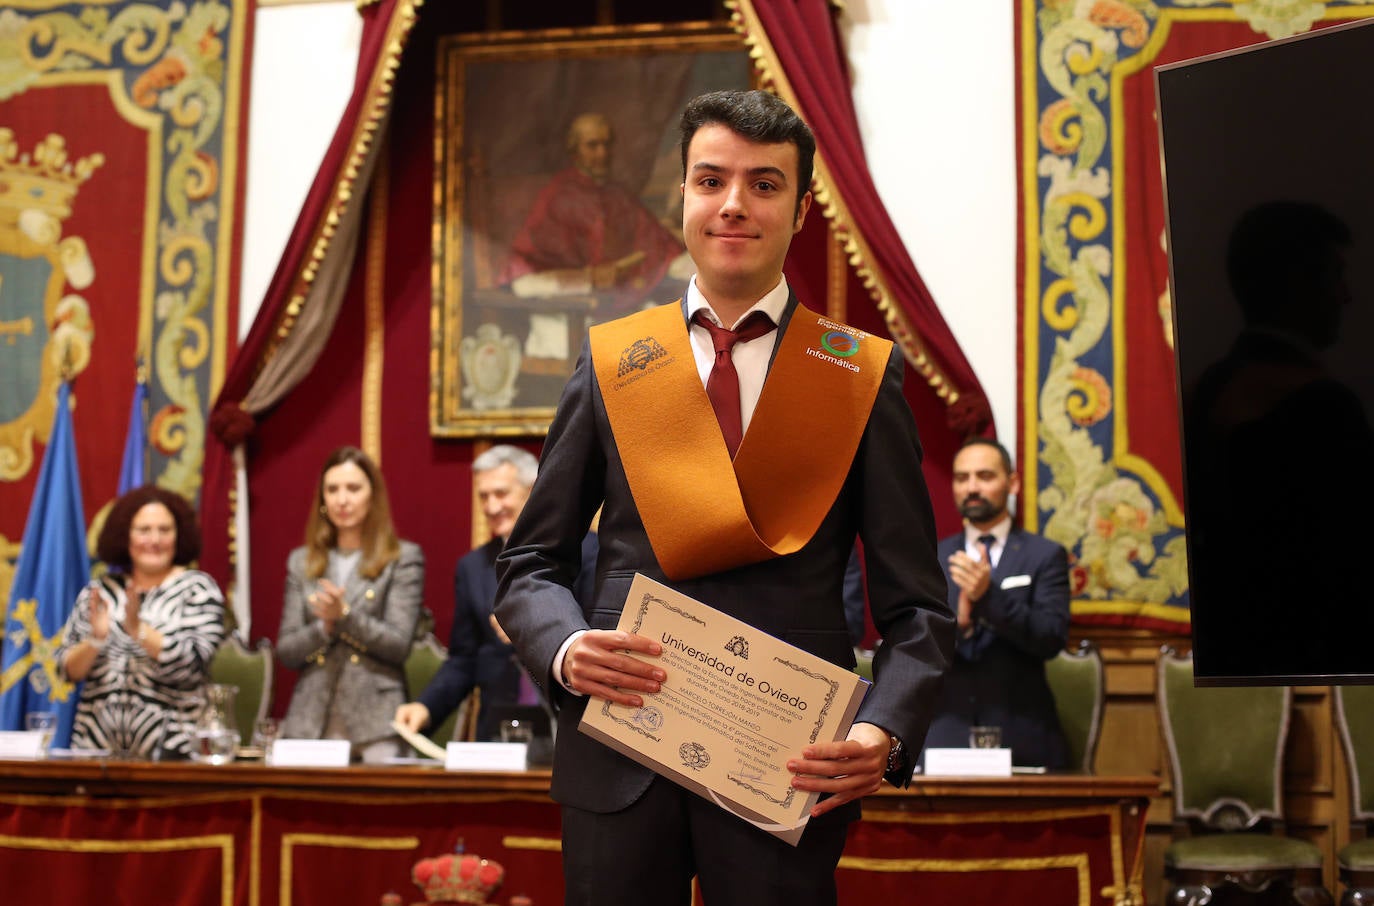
648, 717
694, 755
738, 646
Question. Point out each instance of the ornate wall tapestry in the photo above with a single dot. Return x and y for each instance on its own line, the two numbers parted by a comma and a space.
120, 136
1100, 443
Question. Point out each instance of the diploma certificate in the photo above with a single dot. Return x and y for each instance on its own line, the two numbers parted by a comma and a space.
737, 704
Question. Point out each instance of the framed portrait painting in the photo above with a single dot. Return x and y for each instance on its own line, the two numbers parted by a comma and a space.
557, 205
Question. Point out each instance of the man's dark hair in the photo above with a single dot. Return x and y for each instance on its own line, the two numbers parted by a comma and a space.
758, 116
112, 547
989, 442
1276, 246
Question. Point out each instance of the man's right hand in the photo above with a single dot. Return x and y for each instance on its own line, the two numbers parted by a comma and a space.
597, 664
413, 716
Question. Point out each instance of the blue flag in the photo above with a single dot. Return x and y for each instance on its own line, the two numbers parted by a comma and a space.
53, 567
135, 443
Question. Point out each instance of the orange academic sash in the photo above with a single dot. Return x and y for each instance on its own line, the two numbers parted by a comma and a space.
702, 513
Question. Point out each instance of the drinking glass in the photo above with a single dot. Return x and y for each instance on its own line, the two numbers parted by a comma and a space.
516, 730
265, 733
44, 722
985, 737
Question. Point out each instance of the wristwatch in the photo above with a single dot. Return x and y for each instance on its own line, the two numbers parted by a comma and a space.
895, 754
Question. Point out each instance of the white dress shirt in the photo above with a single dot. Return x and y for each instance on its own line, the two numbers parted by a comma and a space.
999, 531
750, 358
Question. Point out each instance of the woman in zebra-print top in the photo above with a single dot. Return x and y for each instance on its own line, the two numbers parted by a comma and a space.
142, 637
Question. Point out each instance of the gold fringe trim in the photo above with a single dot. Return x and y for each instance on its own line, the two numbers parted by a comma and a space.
837, 277
1075, 862
746, 23
374, 295
289, 842
376, 105
222, 842
538, 844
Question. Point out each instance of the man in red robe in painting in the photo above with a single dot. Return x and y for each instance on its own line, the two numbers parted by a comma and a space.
587, 235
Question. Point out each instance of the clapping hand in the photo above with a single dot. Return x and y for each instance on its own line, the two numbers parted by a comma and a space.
100, 617
326, 602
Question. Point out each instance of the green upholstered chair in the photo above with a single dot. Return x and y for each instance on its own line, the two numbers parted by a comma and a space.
1226, 755
252, 672
426, 655
863, 663
1355, 716
1080, 693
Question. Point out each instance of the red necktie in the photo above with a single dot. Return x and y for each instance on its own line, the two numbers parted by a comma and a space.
723, 384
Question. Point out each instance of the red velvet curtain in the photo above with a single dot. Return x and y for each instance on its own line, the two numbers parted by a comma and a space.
802, 36
229, 422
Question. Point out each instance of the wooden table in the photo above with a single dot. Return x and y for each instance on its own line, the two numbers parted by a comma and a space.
249, 835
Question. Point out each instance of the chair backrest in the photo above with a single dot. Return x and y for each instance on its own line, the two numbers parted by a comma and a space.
1079, 687
1225, 746
1355, 716
426, 656
252, 672
863, 663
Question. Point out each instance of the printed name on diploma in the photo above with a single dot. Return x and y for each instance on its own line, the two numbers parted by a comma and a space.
724, 669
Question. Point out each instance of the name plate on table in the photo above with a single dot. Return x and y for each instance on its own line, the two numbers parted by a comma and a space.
21, 744
968, 762
736, 706
311, 753
485, 756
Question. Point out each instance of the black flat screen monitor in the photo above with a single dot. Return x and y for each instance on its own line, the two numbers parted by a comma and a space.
1268, 160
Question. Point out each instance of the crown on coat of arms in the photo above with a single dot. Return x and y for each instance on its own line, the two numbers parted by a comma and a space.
458, 878
45, 179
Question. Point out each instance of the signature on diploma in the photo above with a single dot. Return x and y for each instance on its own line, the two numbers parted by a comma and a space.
747, 772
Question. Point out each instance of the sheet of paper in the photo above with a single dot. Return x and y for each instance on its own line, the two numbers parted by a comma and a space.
420, 743
486, 756
968, 762
311, 753
23, 744
736, 705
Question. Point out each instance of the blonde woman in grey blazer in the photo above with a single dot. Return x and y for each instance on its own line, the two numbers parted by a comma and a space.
354, 594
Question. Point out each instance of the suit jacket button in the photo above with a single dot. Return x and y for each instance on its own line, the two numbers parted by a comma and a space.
353, 658
369, 594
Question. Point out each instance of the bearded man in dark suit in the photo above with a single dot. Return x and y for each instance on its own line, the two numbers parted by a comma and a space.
1010, 592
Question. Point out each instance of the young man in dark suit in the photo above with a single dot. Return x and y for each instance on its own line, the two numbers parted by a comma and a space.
670, 426
1010, 593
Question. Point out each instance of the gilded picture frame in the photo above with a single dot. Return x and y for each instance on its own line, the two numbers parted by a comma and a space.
557, 204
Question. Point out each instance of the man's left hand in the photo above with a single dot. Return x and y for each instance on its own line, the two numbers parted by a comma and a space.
847, 770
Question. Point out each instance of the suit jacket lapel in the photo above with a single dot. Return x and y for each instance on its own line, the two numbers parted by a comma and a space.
486, 580
357, 587
1013, 557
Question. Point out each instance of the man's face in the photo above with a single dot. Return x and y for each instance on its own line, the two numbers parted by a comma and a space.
739, 211
592, 150
502, 497
982, 484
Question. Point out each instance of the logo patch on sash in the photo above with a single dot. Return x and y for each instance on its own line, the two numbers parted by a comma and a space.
840, 343
639, 355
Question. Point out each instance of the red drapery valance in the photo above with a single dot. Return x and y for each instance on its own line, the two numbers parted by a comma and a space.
796, 46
